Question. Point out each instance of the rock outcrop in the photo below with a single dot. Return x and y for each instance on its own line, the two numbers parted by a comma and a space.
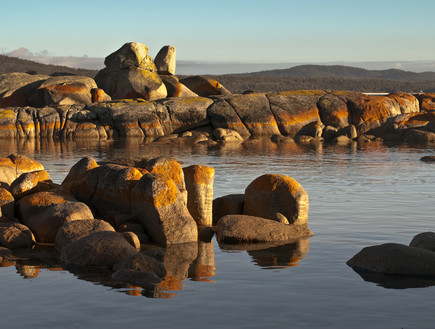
131, 73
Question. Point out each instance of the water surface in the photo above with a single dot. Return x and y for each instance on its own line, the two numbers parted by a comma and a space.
359, 196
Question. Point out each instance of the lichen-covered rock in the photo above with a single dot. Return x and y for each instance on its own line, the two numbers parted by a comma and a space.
79, 170
223, 115
24, 164
7, 204
74, 230
132, 83
15, 235
99, 95
130, 55
199, 184
414, 136
427, 102
407, 103
236, 229
424, 240
294, 110
232, 204
103, 249
38, 202
107, 188
46, 223
160, 208
254, 111
333, 111
395, 259
165, 60
169, 168
277, 197
32, 182
369, 112
16, 88
204, 86
187, 113
175, 88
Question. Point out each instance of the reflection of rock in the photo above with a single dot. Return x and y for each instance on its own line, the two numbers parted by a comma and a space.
395, 281
274, 254
204, 266
283, 256
177, 260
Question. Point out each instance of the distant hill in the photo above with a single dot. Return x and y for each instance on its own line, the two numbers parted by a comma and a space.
345, 72
12, 64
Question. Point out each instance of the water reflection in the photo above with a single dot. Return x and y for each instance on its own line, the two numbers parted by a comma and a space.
395, 281
277, 255
194, 261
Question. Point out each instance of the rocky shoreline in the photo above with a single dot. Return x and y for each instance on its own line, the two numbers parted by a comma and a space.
135, 96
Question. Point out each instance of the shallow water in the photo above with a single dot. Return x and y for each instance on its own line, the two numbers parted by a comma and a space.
359, 196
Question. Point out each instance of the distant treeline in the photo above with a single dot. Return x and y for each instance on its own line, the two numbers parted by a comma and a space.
273, 81
12, 64
240, 83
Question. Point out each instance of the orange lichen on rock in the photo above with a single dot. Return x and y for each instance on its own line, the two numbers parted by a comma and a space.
271, 182
169, 168
288, 119
373, 109
200, 174
164, 194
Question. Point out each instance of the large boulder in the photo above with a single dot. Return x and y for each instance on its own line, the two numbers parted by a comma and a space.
15, 235
77, 229
131, 83
16, 89
199, 184
236, 229
254, 111
46, 223
165, 60
107, 188
223, 115
296, 111
204, 86
277, 197
78, 171
14, 165
130, 73
407, 103
333, 111
160, 207
32, 182
395, 259
370, 112
103, 249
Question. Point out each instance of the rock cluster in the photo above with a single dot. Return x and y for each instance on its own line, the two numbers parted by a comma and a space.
387, 262
105, 214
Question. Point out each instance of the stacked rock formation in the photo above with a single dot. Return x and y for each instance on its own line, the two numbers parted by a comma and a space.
148, 201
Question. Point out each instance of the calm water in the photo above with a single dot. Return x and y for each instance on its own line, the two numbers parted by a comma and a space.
359, 196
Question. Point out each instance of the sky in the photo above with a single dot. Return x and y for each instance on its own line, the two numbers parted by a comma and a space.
250, 31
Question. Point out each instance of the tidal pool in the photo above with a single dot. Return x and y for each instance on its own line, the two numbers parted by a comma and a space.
360, 195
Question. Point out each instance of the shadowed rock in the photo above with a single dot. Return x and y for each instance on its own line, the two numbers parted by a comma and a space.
395, 259
236, 229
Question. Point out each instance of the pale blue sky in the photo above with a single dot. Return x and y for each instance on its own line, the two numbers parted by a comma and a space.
237, 31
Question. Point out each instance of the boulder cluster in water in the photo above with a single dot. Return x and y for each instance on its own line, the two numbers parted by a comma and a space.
135, 96
395, 265
103, 215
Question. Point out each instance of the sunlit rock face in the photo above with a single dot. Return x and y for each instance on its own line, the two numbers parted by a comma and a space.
277, 197
131, 73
